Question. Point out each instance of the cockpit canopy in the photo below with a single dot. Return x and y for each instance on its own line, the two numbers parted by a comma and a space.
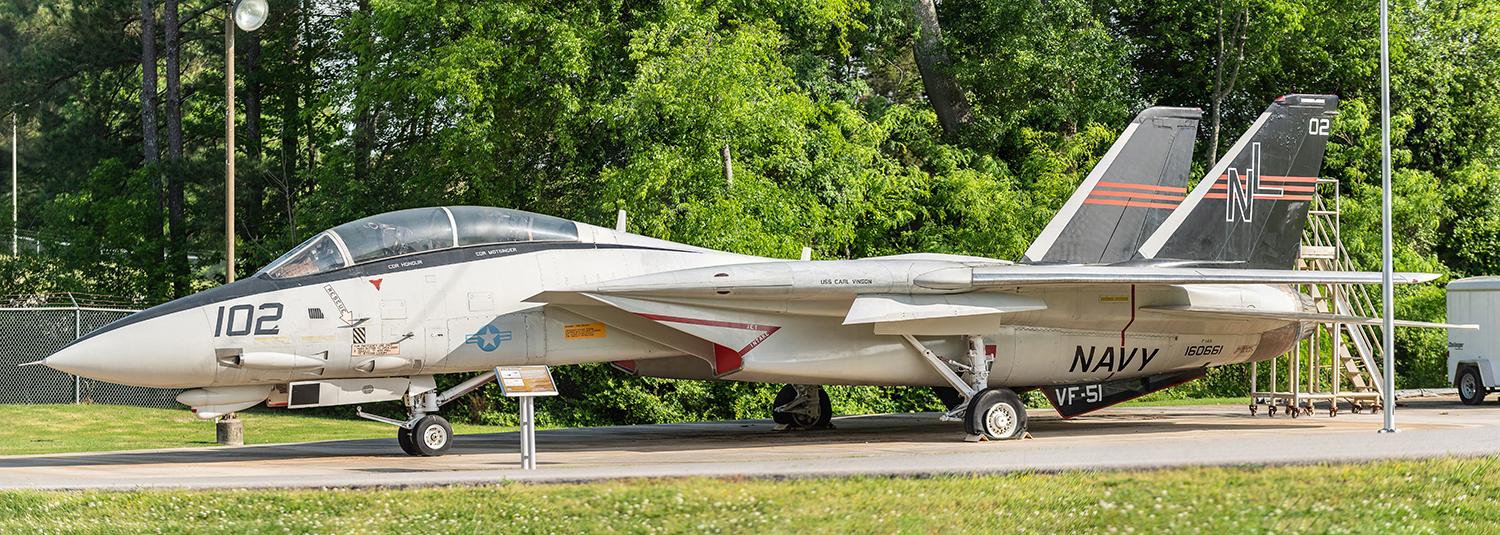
414, 231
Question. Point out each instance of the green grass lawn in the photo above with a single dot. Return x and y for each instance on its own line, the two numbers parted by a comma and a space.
33, 429
1441, 496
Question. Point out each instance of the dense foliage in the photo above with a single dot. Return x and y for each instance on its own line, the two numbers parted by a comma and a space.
577, 109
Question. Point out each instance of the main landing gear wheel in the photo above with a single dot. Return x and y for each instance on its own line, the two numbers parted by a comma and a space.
800, 419
1470, 387
431, 436
996, 413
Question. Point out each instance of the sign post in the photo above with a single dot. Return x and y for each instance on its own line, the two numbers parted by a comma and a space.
525, 383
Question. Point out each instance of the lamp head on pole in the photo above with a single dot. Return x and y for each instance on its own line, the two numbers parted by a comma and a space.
249, 15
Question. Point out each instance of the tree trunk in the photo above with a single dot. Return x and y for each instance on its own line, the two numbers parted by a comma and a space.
255, 183
252, 99
151, 150
943, 91
177, 265
291, 122
364, 122
728, 167
174, 80
1236, 48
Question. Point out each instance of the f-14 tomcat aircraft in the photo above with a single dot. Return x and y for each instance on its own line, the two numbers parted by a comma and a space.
1133, 287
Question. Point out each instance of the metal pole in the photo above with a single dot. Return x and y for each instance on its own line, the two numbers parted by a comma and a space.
15, 178
1387, 290
229, 145
77, 333
528, 433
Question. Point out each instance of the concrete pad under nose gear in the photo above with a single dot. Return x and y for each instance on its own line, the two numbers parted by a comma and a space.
169, 351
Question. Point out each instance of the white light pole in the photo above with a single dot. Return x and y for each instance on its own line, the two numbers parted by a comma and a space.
1387, 290
248, 15
15, 177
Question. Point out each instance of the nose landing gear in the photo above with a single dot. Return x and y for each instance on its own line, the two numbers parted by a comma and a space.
423, 433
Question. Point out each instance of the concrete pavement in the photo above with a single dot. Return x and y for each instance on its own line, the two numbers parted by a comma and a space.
881, 445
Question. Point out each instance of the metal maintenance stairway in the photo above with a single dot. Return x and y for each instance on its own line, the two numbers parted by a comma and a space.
1337, 354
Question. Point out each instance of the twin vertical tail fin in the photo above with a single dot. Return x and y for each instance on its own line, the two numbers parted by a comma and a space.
1127, 195
1250, 210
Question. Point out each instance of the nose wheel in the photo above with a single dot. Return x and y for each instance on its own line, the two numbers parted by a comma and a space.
429, 436
403, 437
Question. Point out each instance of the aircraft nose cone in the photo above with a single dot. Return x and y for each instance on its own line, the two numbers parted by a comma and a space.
169, 351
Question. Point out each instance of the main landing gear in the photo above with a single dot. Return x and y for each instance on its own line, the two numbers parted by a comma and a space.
996, 413
802, 407
422, 433
988, 413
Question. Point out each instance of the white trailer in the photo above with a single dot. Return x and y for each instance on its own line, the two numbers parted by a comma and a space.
1472, 354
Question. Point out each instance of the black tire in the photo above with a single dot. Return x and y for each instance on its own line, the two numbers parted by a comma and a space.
1470, 385
403, 437
948, 395
996, 413
789, 393
432, 436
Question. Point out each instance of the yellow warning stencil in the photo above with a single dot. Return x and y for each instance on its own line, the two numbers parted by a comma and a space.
583, 330
1114, 299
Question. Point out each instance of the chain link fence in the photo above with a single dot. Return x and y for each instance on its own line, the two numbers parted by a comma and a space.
34, 326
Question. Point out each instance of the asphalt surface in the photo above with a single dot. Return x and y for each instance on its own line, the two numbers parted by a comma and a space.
907, 445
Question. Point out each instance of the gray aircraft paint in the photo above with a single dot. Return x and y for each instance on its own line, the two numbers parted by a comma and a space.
1249, 211
1127, 195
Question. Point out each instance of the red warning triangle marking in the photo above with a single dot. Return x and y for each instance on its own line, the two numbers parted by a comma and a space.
376, 282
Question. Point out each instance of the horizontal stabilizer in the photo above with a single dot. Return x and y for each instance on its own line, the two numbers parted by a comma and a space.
964, 278
881, 308
1250, 313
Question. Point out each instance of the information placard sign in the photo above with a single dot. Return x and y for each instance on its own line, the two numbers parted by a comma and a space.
519, 381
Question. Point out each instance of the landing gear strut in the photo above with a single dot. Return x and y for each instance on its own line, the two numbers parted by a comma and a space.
423, 433
992, 413
802, 407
